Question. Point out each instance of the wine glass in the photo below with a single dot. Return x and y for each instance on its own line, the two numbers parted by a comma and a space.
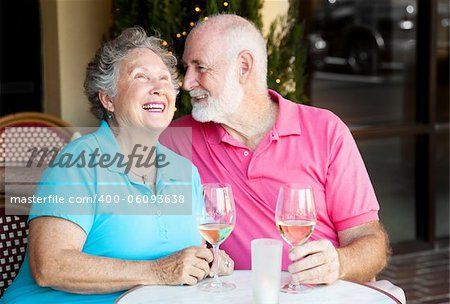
295, 218
216, 219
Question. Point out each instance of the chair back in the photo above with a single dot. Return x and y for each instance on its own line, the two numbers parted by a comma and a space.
19, 134
21, 131
13, 243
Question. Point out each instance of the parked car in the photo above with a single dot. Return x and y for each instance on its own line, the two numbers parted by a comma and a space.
363, 35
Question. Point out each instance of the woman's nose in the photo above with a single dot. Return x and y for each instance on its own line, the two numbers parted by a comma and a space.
156, 89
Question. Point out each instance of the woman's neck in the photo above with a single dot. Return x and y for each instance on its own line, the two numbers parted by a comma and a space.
139, 148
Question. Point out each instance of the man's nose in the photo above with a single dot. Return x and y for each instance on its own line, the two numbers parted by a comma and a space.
190, 80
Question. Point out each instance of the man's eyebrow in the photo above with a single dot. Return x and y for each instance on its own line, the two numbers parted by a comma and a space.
196, 62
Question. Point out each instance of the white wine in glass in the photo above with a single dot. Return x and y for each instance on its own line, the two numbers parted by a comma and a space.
216, 219
296, 232
295, 217
215, 234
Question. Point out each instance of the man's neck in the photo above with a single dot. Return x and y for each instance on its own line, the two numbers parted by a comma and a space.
254, 119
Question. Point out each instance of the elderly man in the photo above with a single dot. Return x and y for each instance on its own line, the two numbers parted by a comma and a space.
254, 139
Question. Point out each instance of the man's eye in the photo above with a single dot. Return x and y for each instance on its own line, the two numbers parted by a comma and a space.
164, 77
201, 68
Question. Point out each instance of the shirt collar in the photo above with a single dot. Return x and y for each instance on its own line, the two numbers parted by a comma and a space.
108, 144
215, 132
288, 122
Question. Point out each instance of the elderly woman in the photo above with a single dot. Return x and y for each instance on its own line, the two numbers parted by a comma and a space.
126, 216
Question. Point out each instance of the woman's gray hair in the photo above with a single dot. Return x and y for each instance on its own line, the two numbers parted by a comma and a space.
103, 70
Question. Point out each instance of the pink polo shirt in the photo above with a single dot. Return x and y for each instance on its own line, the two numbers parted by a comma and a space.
308, 146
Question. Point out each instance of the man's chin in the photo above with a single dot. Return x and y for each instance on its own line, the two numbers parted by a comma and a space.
201, 116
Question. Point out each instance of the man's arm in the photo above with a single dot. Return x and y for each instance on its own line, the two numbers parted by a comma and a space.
56, 261
363, 252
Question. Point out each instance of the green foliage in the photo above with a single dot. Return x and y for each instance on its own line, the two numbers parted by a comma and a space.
287, 56
171, 20
251, 9
152, 16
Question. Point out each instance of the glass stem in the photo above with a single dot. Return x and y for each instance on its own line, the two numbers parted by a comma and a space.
292, 285
216, 268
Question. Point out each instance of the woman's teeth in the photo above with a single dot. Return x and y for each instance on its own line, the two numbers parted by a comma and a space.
154, 107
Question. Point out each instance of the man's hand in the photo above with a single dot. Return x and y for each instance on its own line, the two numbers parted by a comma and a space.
188, 266
316, 262
363, 252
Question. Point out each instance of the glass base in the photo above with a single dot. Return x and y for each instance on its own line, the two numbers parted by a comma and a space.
216, 286
294, 289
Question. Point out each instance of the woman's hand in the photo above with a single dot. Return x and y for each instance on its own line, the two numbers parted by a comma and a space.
226, 266
188, 266
57, 261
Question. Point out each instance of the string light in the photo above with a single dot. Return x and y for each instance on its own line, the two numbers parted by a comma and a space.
278, 80
225, 4
164, 43
180, 83
192, 24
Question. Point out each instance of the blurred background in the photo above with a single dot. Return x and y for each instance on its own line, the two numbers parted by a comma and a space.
381, 65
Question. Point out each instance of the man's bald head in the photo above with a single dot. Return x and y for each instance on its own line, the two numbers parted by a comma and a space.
233, 34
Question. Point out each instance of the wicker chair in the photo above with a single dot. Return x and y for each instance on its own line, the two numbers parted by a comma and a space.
19, 132
13, 243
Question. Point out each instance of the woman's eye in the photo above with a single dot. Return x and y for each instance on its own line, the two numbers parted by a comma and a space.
164, 77
140, 76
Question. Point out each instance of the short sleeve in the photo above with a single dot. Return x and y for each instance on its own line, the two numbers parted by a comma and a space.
351, 199
67, 191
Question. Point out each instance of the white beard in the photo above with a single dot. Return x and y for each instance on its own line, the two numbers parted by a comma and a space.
218, 109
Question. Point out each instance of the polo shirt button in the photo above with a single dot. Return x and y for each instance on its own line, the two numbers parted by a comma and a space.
246, 153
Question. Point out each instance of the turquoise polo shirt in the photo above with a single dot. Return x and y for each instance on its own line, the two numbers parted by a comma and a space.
122, 217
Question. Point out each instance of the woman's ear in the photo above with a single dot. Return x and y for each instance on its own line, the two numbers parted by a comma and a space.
106, 101
245, 65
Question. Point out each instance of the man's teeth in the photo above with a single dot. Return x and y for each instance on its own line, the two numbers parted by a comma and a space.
154, 107
200, 96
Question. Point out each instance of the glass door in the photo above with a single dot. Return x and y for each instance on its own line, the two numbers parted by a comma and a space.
368, 72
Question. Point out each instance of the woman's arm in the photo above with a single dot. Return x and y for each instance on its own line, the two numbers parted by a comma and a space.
56, 261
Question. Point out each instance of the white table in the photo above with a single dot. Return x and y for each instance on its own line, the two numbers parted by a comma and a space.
339, 292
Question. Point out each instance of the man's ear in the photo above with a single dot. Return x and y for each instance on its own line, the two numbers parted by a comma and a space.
245, 65
106, 101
